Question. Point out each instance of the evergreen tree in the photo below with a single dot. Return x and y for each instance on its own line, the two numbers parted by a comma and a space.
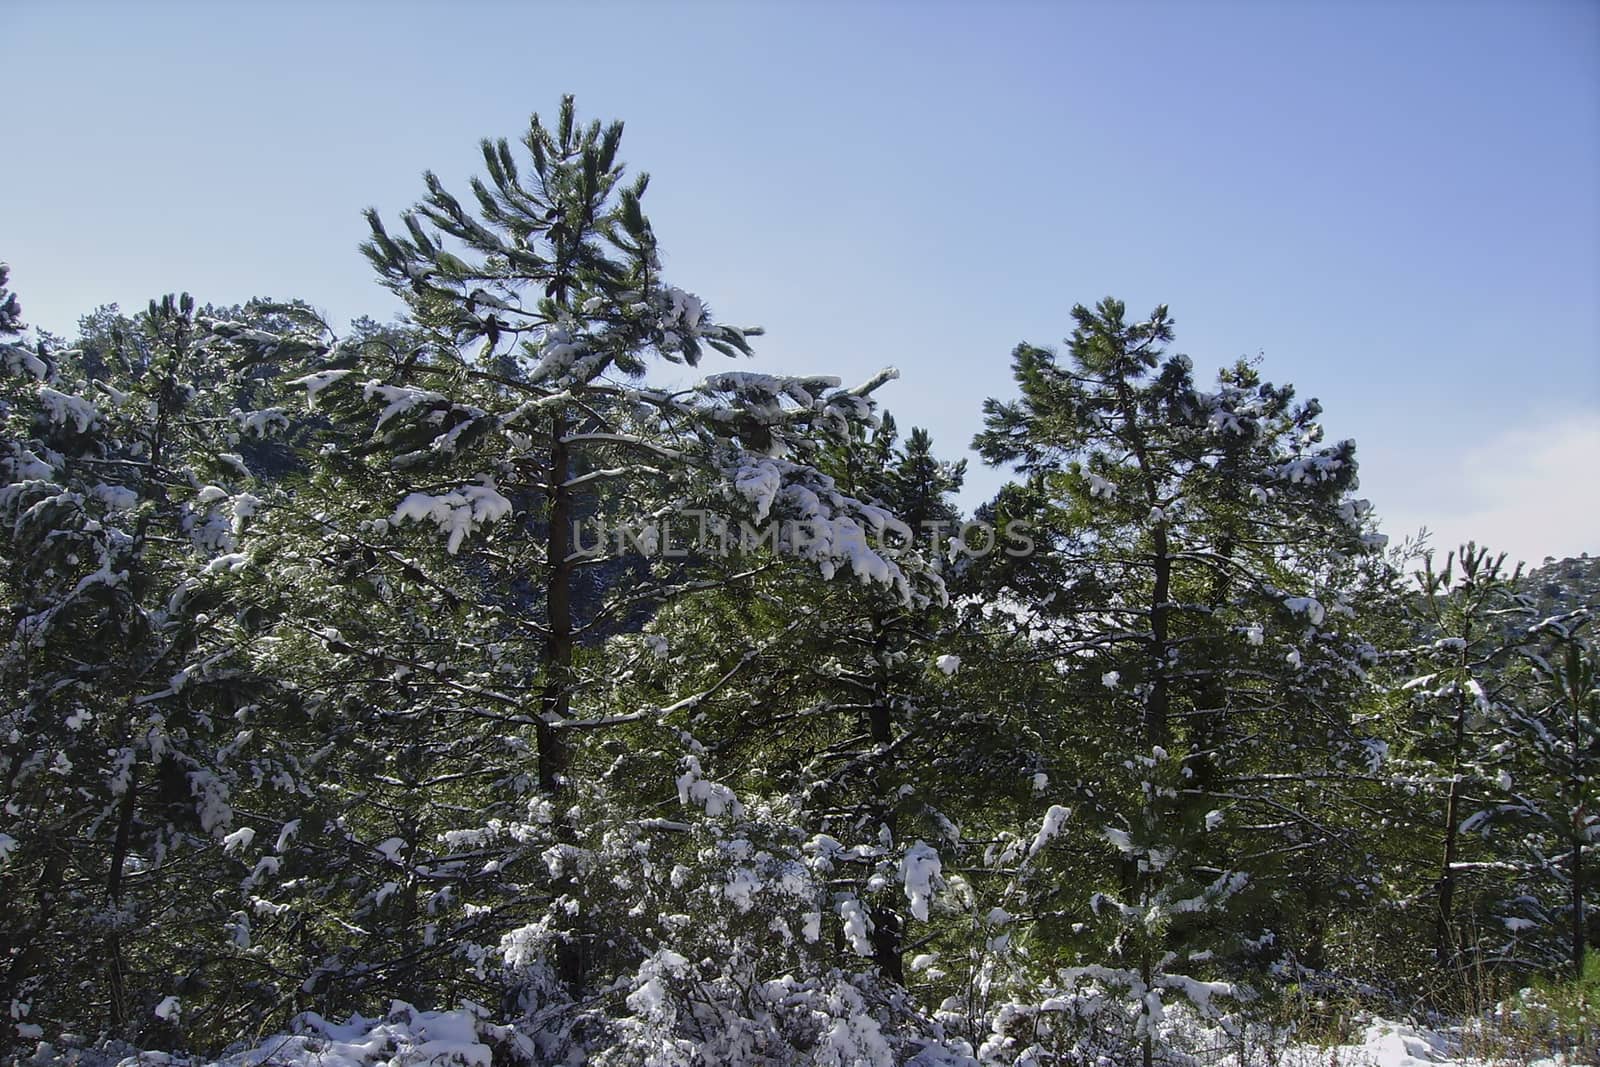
440, 598
1199, 541
126, 734
1561, 729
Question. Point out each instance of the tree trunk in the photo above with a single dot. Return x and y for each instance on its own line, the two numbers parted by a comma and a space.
1156, 727
1578, 921
1575, 859
557, 664
558, 604
888, 924
115, 974
1209, 716
1442, 949
1147, 1046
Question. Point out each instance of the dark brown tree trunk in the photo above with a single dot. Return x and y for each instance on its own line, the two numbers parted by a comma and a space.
1147, 1046
557, 663
1578, 920
887, 923
1156, 710
115, 965
557, 701
1442, 948
1209, 718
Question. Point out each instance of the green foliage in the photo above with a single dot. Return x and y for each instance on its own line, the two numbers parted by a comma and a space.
1565, 1012
320, 696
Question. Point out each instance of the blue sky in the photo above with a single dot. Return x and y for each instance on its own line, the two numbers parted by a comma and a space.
1398, 205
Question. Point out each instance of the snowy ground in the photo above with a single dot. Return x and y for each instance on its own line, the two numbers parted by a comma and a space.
1393, 1044
463, 1038
408, 1038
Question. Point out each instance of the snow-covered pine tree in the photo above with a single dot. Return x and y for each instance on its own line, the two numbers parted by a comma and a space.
1497, 731
488, 510
842, 714
1457, 688
840, 717
1561, 728
119, 749
1197, 542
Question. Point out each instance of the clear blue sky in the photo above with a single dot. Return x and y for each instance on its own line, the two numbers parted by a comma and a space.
1397, 204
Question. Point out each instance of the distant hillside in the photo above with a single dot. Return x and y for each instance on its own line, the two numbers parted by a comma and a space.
1565, 584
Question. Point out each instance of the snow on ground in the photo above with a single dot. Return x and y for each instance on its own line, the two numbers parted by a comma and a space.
407, 1037
1385, 1043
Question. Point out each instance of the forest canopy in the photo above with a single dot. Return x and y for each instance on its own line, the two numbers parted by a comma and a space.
462, 671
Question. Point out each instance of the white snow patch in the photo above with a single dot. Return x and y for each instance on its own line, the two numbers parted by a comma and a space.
1310, 607
1054, 819
920, 871
239, 840
458, 513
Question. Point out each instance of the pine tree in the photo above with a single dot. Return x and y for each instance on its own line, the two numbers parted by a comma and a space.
1198, 545
118, 752
1562, 730
486, 519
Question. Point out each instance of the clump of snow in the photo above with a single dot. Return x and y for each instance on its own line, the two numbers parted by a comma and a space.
762, 394
559, 349
681, 316
211, 802
759, 482
857, 926
650, 994
1320, 466
19, 361
316, 383
715, 797
1354, 512
399, 399
64, 408
262, 424
23, 466
920, 871
238, 840
741, 888
244, 508
1100, 487
1054, 819
232, 562
457, 513
1310, 607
